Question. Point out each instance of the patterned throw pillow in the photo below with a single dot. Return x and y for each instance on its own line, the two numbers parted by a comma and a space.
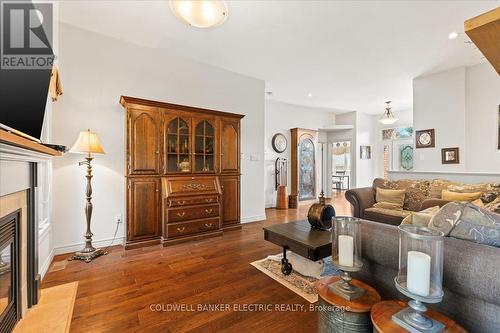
438, 185
490, 195
493, 206
416, 191
477, 225
447, 217
469, 188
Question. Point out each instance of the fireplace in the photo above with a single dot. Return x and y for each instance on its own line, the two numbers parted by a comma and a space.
10, 271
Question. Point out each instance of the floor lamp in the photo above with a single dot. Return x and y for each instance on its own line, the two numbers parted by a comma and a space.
88, 143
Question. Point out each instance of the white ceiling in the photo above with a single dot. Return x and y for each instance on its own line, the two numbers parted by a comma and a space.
349, 55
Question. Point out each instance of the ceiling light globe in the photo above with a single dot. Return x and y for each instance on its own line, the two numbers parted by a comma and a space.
200, 13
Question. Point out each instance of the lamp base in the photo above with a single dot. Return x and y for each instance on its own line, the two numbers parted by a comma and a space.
87, 256
345, 289
413, 320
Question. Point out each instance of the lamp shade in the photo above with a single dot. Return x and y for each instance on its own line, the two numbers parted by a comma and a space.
87, 143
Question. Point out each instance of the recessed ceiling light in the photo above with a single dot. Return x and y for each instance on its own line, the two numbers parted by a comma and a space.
200, 13
453, 35
310, 95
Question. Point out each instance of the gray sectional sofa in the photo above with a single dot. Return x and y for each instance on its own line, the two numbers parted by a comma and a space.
471, 276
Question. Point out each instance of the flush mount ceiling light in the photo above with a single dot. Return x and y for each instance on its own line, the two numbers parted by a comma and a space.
388, 117
453, 35
309, 95
200, 13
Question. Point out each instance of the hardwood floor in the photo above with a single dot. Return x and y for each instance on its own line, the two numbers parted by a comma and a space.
116, 292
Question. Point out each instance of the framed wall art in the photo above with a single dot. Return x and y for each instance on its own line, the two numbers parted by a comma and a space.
450, 156
425, 138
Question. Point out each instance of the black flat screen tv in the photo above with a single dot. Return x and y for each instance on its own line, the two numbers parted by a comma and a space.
23, 97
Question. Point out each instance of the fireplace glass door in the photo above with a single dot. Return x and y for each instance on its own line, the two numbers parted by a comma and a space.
10, 296
6, 296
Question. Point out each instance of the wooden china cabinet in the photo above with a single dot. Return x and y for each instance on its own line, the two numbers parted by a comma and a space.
182, 172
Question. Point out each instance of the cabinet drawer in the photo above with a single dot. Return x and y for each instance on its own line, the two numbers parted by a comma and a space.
190, 201
194, 227
193, 213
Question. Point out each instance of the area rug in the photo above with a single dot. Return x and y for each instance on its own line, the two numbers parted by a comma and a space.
299, 284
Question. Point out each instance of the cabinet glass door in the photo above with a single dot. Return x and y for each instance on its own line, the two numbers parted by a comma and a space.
204, 147
178, 146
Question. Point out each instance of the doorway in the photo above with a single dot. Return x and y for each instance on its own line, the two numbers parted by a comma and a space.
341, 165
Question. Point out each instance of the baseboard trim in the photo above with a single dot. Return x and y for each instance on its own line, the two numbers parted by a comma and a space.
254, 218
77, 247
45, 267
270, 205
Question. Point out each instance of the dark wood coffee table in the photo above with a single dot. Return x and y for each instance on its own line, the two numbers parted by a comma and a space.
300, 238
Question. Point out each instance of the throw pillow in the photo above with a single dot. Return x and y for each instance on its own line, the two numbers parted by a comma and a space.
478, 202
493, 206
490, 195
455, 196
438, 185
421, 218
391, 196
446, 218
416, 192
388, 205
469, 188
477, 225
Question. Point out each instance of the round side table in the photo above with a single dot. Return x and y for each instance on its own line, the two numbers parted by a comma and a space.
382, 318
336, 314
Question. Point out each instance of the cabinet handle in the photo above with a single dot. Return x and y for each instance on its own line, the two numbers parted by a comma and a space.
209, 211
181, 214
208, 200
181, 202
181, 229
209, 225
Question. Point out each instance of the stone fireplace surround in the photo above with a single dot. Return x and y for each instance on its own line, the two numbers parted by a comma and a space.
18, 189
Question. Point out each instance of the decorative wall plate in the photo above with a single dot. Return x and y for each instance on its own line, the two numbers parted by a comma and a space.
425, 139
279, 142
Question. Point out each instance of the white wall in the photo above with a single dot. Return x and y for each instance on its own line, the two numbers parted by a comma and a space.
367, 135
439, 103
95, 71
280, 118
483, 100
462, 106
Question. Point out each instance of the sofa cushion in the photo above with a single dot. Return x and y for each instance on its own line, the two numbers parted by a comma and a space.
396, 197
388, 205
387, 216
456, 196
391, 212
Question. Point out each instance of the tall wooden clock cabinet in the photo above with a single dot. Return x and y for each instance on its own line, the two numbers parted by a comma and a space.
182, 172
303, 165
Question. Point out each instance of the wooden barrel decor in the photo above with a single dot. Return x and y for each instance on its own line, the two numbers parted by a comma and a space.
320, 215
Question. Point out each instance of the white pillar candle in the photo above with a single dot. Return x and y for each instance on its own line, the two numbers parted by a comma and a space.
346, 250
419, 273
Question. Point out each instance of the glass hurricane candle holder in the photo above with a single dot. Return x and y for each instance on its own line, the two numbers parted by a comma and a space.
420, 277
346, 255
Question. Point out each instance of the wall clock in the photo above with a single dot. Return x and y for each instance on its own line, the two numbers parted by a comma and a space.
425, 138
279, 142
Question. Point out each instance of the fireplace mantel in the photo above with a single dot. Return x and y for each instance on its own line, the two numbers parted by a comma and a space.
20, 161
